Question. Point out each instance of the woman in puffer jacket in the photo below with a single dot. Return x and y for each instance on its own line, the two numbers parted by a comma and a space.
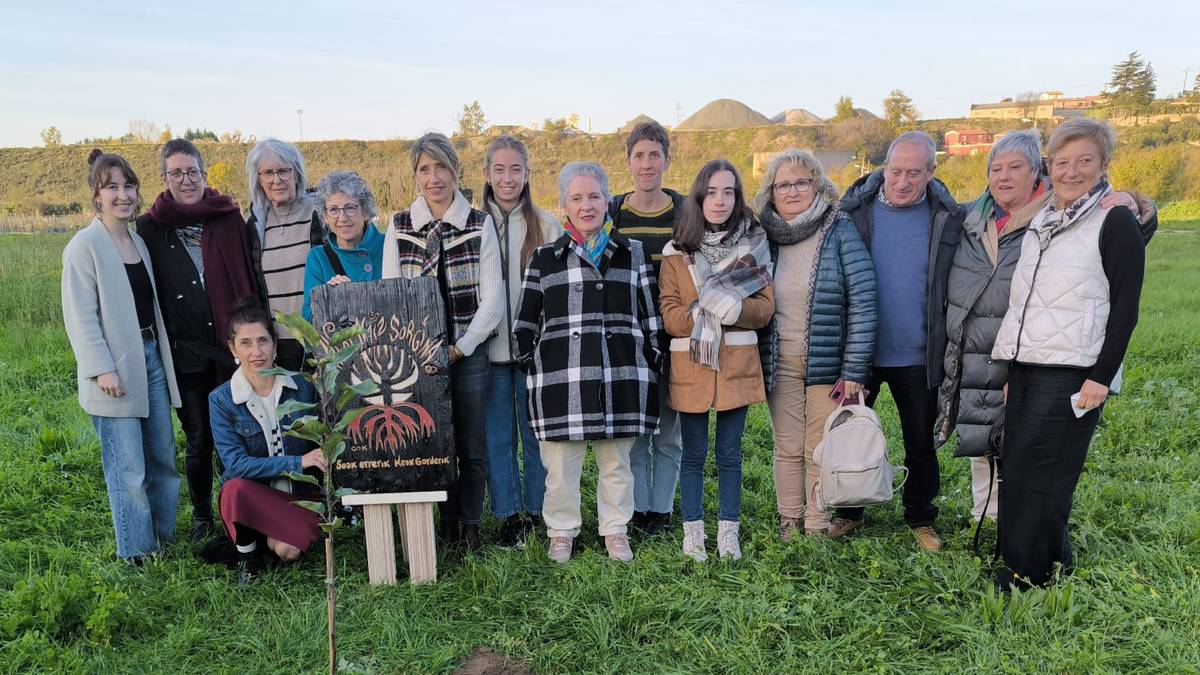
971, 397
823, 330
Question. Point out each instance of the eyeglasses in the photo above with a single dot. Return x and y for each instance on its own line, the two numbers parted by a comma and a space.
282, 175
801, 186
350, 210
178, 175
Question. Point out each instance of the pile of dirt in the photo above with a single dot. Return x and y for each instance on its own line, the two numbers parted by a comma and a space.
797, 117
634, 122
724, 113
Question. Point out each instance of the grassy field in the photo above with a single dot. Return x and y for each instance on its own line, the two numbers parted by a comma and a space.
870, 603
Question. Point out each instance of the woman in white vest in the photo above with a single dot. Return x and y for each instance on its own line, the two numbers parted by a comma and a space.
1072, 310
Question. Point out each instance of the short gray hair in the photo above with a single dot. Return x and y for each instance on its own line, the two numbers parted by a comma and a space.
273, 148
577, 169
919, 138
1026, 143
350, 184
803, 159
1095, 131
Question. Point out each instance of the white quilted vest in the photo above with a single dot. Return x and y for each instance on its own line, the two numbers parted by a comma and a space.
1058, 305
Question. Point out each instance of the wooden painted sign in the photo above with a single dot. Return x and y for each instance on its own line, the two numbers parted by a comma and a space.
404, 440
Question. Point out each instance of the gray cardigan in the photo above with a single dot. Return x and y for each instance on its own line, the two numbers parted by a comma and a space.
102, 324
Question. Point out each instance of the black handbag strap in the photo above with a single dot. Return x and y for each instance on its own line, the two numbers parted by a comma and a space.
334, 260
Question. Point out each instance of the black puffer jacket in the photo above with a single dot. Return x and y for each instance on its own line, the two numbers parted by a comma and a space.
945, 232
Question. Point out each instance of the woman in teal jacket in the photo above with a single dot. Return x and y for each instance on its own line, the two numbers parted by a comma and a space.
353, 249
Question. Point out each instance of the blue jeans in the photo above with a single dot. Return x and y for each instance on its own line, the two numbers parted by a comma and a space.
138, 455
506, 393
468, 386
654, 460
730, 424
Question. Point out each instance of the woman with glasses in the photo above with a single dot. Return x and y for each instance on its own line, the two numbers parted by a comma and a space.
285, 224
200, 252
353, 251
822, 336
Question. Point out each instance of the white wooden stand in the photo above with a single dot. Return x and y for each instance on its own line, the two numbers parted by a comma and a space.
414, 512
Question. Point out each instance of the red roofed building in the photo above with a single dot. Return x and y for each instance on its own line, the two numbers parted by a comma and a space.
962, 142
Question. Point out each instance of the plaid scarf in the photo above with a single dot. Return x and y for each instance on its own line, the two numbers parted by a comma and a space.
1053, 220
723, 284
593, 247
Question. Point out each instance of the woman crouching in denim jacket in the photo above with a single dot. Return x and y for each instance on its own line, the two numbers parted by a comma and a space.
256, 496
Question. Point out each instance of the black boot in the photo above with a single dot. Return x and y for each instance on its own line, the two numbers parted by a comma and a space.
249, 567
512, 533
470, 536
449, 532
202, 529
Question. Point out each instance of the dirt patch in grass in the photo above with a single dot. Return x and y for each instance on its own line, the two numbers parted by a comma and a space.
484, 661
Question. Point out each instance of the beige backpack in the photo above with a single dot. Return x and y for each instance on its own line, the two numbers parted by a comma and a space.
855, 470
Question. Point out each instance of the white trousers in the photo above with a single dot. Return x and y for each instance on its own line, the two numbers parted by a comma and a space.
614, 490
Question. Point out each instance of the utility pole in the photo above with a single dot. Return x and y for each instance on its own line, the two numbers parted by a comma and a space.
1183, 92
300, 120
678, 113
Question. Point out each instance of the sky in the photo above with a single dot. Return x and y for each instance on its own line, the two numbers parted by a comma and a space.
380, 70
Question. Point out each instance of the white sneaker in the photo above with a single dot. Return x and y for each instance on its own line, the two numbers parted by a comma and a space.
693, 540
618, 547
559, 549
727, 539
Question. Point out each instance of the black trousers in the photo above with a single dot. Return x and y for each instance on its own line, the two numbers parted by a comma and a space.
468, 386
1045, 446
917, 405
194, 389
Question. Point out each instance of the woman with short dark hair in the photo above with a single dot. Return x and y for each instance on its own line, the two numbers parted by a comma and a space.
200, 248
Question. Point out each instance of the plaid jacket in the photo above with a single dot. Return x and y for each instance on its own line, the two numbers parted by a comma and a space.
420, 246
589, 341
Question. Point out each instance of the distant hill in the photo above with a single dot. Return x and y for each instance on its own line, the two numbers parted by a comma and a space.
866, 114
797, 117
723, 113
628, 126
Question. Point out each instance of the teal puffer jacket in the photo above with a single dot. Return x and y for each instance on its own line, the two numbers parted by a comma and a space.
842, 314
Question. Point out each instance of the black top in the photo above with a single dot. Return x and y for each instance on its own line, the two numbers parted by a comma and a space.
183, 301
143, 293
1123, 255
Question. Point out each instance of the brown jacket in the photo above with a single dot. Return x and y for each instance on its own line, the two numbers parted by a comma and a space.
739, 382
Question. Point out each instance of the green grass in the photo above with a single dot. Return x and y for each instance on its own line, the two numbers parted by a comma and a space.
870, 603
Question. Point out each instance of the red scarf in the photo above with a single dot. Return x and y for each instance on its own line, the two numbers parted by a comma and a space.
224, 248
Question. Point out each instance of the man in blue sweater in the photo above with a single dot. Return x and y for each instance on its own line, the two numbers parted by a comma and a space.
911, 225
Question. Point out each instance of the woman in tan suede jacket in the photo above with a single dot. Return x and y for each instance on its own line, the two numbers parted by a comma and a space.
714, 291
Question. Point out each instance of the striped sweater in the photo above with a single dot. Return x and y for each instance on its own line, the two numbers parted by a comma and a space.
285, 246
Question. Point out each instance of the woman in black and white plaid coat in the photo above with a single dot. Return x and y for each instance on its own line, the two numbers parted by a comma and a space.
588, 335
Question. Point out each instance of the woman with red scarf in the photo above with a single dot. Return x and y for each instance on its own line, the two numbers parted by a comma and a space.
199, 247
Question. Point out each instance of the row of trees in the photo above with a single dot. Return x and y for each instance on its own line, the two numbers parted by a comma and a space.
145, 131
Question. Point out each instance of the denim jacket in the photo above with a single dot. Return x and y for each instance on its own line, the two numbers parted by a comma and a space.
240, 436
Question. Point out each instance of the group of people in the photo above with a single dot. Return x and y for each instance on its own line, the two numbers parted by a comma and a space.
622, 328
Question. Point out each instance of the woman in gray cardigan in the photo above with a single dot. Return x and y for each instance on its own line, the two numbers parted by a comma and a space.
126, 376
